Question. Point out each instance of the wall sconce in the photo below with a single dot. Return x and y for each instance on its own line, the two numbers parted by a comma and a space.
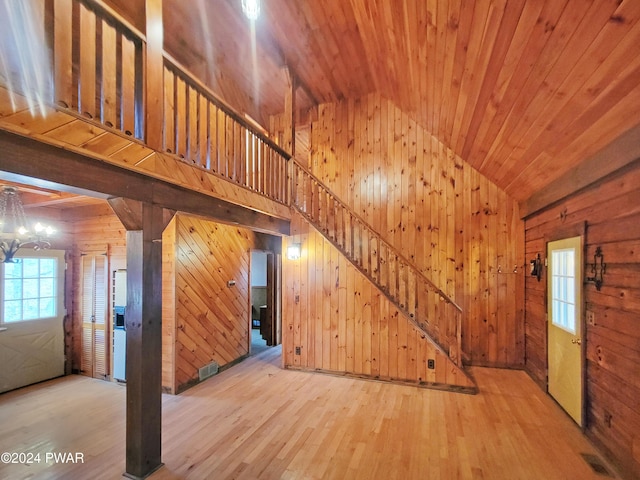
536, 267
293, 251
598, 269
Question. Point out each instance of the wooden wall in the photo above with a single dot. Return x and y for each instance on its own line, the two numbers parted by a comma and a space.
203, 319
335, 320
169, 265
612, 214
210, 321
457, 227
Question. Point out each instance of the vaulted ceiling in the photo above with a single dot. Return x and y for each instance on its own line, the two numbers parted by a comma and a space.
523, 90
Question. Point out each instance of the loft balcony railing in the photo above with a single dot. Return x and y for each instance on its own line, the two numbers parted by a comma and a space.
99, 67
208, 134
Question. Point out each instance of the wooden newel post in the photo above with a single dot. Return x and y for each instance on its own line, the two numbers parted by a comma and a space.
289, 137
143, 320
154, 70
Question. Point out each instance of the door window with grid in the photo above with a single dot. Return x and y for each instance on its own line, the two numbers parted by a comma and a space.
563, 289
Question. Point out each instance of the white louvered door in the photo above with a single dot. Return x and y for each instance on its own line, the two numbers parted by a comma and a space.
95, 360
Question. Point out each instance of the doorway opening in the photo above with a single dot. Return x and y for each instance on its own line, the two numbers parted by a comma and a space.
264, 328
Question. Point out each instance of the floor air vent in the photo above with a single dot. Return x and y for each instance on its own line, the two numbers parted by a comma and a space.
208, 371
596, 464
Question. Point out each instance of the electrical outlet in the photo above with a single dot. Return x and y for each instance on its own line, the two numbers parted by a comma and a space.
431, 364
297, 350
591, 318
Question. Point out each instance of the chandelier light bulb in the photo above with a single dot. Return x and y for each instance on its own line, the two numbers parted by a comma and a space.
13, 232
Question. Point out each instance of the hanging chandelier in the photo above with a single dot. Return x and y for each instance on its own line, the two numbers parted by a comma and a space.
15, 231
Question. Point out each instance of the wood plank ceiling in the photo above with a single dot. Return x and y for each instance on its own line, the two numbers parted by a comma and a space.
37, 197
523, 90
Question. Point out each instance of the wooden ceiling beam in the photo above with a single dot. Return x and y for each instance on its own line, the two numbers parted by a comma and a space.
618, 154
301, 85
130, 213
289, 139
29, 161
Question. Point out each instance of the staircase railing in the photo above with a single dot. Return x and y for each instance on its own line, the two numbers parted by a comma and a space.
426, 305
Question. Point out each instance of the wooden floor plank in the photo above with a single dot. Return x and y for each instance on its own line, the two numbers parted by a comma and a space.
256, 420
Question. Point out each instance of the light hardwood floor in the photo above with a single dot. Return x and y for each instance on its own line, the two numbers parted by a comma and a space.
256, 420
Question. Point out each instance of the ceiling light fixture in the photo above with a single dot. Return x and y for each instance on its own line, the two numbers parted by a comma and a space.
251, 9
14, 229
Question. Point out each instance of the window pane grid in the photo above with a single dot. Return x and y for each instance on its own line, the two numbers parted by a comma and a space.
563, 289
29, 289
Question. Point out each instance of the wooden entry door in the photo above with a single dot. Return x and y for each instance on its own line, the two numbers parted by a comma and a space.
31, 318
564, 304
94, 298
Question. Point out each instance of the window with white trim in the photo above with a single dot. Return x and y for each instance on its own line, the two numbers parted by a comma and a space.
30, 289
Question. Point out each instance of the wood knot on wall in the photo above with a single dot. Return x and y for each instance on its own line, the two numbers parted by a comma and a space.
489, 211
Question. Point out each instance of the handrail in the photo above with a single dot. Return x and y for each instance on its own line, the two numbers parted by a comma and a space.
101, 5
396, 277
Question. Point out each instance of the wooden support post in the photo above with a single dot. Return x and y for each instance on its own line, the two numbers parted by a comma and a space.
622, 152
289, 137
144, 223
271, 300
154, 83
